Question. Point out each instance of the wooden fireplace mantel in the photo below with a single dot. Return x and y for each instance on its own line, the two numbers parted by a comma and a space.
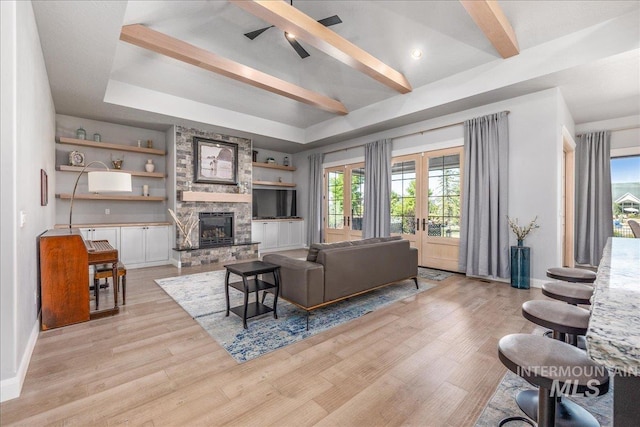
201, 196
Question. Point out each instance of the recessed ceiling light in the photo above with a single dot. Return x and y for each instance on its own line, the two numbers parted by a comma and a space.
416, 54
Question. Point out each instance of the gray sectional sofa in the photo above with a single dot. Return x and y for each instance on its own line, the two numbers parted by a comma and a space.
336, 271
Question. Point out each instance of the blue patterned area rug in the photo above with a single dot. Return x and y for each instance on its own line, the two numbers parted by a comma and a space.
432, 274
202, 296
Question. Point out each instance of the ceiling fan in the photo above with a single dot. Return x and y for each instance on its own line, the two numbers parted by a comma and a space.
291, 38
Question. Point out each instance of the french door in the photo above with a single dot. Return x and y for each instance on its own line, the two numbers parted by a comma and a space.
343, 202
425, 204
406, 197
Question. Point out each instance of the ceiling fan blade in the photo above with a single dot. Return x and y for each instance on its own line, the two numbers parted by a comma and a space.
296, 46
253, 34
332, 20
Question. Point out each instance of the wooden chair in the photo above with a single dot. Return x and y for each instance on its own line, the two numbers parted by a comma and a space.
104, 271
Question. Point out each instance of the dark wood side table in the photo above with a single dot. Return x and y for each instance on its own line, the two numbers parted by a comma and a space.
247, 286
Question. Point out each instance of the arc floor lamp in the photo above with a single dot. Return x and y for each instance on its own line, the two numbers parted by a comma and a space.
98, 181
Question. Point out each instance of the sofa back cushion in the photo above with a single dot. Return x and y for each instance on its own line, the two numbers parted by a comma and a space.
350, 270
375, 240
312, 255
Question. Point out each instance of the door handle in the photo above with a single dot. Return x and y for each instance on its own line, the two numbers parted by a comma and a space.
344, 220
424, 226
348, 221
417, 224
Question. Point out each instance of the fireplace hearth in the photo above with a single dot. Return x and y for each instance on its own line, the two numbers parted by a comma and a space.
216, 229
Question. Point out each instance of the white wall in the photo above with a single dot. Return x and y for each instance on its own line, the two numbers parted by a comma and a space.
625, 135
33, 129
535, 140
170, 138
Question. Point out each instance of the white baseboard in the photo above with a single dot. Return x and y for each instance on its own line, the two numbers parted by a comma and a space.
534, 283
537, 283
11, 387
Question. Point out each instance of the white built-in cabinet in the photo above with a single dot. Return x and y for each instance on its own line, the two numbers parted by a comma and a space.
265, 232
278, 234
290, 234
144, 246
137, 245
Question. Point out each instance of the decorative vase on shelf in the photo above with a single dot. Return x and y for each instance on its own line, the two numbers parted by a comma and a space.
81, 133
97, 137
149, 166
117, 162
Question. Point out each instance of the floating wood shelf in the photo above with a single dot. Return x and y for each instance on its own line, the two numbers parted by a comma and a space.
110, 146
78, 169
114, 224
201, 196
275, 183
112, 197
273, 166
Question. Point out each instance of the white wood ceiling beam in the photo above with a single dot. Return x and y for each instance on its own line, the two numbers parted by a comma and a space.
163, 44
307, 29
488, 15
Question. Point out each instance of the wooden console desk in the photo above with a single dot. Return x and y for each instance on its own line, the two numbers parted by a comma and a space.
64, 259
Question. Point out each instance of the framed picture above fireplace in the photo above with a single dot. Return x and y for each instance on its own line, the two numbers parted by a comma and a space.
215, 162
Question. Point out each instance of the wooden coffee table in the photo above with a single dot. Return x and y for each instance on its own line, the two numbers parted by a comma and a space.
247, 286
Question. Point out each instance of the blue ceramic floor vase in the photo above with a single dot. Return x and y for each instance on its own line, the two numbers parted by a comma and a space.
520, 261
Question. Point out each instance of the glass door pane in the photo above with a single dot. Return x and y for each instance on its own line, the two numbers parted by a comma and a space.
444, 196
357, 199
403, 197
335, 199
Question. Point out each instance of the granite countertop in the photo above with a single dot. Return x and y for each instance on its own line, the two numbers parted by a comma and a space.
613, 338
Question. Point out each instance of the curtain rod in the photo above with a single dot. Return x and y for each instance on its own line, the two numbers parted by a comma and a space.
405, 135
610, 130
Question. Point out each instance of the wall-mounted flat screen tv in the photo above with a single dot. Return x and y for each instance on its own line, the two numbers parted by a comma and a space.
268, 203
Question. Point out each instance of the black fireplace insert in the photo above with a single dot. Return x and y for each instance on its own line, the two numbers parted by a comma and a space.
216, 229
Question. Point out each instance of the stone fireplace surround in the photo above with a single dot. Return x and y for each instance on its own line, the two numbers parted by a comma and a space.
241, 211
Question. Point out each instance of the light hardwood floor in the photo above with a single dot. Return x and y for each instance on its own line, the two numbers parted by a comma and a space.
429, 360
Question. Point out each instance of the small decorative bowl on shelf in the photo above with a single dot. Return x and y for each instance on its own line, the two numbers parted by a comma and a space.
271, 160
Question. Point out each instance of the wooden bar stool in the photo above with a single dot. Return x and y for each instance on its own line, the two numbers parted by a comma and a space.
574, 275
556, 368
563, 319
571, 293
104, 271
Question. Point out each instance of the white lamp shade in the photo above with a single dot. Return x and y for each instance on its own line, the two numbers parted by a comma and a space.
109, 181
